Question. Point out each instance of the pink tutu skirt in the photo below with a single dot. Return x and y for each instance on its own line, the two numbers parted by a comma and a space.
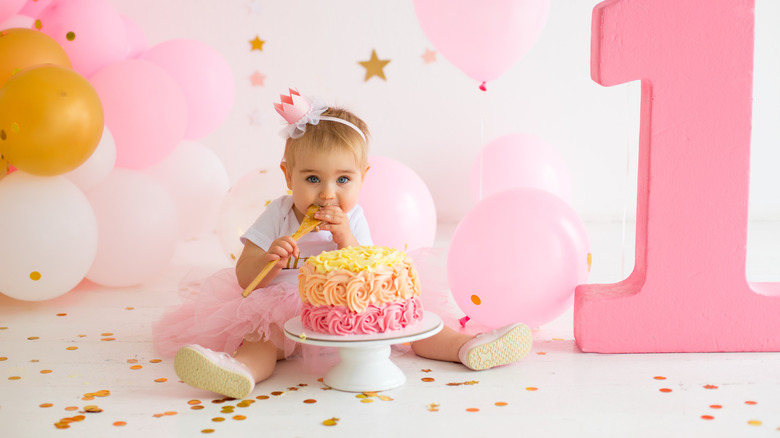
215, 315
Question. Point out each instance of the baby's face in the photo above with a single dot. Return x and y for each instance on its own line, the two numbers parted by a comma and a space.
325, 178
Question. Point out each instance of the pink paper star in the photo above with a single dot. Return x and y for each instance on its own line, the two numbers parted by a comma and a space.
257, 79
429, 56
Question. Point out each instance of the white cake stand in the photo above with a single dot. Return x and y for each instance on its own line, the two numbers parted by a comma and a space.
365, 359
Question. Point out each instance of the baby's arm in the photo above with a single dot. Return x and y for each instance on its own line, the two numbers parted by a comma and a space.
337, 222
253, 259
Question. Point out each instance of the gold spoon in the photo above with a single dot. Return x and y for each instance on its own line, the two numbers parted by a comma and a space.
308, 224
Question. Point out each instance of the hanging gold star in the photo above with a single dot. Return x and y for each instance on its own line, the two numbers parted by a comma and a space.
374, 66
257, 43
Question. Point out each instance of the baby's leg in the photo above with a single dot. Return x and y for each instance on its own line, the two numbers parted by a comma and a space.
486, 350
441, 346
259, 357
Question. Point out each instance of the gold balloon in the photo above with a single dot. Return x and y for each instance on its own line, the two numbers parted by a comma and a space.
51, 120
23, 48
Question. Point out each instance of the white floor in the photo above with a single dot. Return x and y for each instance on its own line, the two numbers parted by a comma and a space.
89, 350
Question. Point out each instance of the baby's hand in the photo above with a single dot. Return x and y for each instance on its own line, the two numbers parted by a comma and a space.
336, 221
282, 249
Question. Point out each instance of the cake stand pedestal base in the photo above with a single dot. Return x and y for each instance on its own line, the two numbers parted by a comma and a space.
365, 363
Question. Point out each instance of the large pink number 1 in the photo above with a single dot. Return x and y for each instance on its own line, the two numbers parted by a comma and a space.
688, 291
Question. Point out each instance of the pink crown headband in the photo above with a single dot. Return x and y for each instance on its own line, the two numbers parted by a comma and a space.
298, 112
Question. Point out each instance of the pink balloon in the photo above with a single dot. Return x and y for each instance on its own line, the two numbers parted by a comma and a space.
205, 77
9, 8
145, 110
34, 7
137, 231
398, 206
137, 43
91, 32
517, 257
482, 38
519, 160
197, 181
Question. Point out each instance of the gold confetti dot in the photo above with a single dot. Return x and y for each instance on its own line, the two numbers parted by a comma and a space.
590, 261
218, 419
367, 400
72, 408
106, 334
33, 338
46, 371
72, 348
262, 397
278, 393
3, 358
331, 421
132, 360
385, 398
155, 361
707, 417
15, 378
472, 409
309, 401
428, 379
161, 380
501, 403
70, 36
38, 24
207, 431
755, 423
170, 413
541, 353
665, 390
716, 406
476, 300
197, 407
433, 407
46, 405
194, 402
136, 367
239, 417
119, 423
750, 402
92, 409
35, 275
62, 314
659, 378
531, 388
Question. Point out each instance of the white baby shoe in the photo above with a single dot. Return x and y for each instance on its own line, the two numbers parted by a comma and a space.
498, 347
213, 371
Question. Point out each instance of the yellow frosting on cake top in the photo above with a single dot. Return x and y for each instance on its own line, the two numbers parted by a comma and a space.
357, 258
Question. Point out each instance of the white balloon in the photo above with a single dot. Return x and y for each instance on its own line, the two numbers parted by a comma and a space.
137, 227
48, 236
197, 181
242, 205
97, 167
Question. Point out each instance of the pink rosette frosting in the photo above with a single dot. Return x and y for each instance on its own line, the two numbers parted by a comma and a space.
339, 320
368, 321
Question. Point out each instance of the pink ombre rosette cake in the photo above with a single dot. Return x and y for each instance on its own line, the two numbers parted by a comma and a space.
359, 290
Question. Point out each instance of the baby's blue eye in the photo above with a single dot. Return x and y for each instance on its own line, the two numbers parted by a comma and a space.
342, 180
313, 179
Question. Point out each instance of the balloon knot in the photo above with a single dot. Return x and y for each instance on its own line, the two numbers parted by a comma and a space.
463, 321
483, 87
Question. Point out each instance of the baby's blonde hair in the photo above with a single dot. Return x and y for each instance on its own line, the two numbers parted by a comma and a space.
328, 135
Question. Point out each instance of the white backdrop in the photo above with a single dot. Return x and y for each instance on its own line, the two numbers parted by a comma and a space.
432, 116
